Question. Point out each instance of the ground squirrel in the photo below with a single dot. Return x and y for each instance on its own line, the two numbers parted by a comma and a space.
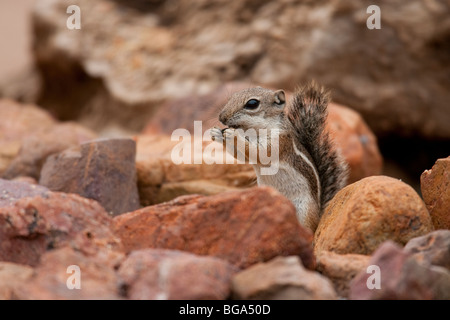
310, 170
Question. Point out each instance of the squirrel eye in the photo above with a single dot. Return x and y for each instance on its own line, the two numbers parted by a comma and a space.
251, 104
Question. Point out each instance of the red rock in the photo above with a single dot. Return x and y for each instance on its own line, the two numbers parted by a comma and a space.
35, 148
282, 278
243, 228
366, 213
433, 248
435, 187
34, 220
97, 277
341, 269
157, 274
102, 170
402, 277
12, 276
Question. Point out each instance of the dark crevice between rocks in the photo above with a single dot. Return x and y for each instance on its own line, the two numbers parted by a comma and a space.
407, 158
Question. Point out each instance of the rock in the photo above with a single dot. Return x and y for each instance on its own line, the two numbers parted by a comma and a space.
205, 108
156, 274
402, 277
12, 275
59, 269
366, 213
160, 179
356, 142
435, 187
34, 220
18, 121
241, 227
433, 248
282, 278
35, 148
161, 54
102, 170
353, 137
341, 269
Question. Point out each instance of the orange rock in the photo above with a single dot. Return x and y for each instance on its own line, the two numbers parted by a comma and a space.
366, 213
356, 142
435, 187
341, 269
160, 179
242, 227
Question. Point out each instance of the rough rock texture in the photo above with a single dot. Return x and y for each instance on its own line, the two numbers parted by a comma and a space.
243, 227
433, 248
355, 141
401, 277
366, 213
34, 220
12, 275
282, 278
435, 187
160, 179
353, 137
18, 121
35, 148
52, 278
164, 51
157, 274
341, 269
102, 170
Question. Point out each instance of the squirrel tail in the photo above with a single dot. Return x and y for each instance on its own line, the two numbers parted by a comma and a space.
307, 113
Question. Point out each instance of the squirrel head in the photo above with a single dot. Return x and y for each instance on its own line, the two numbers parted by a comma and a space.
256, 108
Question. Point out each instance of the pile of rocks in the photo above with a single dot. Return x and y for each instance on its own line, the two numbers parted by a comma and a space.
150, 229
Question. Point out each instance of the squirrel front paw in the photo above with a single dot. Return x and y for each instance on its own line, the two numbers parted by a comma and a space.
216, 134
228, 133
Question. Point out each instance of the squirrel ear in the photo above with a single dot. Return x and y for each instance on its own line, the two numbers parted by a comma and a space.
280, 97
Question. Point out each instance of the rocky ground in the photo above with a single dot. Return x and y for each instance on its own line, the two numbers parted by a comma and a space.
87, 178
141, 227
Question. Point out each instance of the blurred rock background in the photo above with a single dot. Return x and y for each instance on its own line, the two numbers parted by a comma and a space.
131, 59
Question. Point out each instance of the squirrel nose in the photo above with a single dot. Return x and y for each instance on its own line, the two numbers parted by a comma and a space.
222, 118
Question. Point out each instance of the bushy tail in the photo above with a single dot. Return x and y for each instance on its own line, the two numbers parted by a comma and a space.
308, 114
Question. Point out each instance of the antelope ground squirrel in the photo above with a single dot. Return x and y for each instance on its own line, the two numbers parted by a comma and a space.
311, 171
